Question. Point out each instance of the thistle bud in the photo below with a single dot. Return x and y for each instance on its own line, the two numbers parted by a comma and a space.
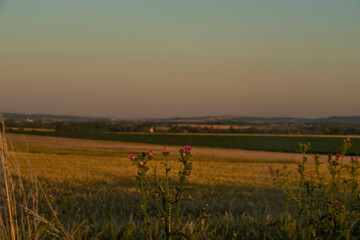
166, 151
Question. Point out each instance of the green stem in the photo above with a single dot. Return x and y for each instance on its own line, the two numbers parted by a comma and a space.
143, 208
168, 196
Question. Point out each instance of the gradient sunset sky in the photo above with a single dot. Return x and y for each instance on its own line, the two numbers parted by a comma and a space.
180, 58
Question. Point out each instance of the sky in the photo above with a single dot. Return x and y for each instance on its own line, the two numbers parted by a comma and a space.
180, 58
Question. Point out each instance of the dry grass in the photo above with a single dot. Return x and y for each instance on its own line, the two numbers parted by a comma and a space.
21, 215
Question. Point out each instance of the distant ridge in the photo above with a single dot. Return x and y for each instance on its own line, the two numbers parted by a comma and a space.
36, 117
235, 119
227, 119
261, 120
338, 119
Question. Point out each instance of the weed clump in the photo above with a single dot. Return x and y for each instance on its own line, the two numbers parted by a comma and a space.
326, 203
162, 198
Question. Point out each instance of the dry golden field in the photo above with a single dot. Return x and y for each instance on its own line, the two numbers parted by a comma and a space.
103, 192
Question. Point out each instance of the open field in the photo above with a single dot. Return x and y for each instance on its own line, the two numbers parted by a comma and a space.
31, 129
69, 146
320, 144
103, 192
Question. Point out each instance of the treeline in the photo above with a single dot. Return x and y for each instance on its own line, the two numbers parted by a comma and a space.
308, 128
83, 126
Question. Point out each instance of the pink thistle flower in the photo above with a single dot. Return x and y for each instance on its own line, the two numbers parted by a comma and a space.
132, 157
141, 163
348, 139
151, 153
311, 174
336, 203
188, 171
187, 148
273, 177
338, 155
270, 167
356, 159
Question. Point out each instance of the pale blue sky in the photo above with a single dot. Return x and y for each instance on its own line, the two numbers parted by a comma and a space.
180, 58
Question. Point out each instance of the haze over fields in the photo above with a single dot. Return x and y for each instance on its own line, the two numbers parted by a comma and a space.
160, 59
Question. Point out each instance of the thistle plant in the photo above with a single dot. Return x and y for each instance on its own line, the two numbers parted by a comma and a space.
327, 204
161, 197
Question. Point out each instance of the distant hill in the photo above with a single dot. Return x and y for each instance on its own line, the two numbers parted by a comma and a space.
228, 119
337, 119
234, 120
261, 120
36, 117
254, 120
